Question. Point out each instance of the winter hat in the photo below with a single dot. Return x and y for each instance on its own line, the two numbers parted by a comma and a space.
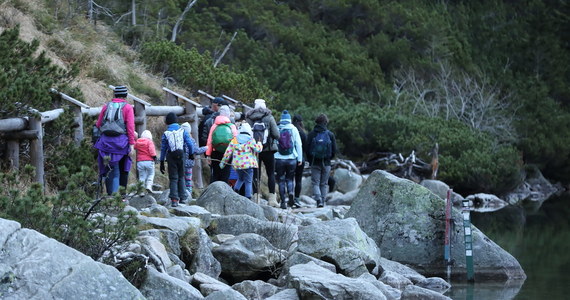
187, 127
224, 111
285, 116
120, 91
297, 118
219, 101
170, 118
259, 103
245, 129
146, 135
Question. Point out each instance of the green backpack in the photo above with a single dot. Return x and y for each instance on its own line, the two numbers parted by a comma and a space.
222, 136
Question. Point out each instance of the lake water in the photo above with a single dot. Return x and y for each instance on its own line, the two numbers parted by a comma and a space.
539, 238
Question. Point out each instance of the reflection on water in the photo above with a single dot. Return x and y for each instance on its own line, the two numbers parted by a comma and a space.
539, 239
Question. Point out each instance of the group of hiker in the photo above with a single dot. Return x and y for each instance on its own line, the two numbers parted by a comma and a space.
234, 149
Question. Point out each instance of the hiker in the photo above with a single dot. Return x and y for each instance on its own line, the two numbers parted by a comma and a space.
241, 152
260, 116
116, 123
172, 144
210, 115
322, 148
287, 158
298, 123
146, 156
221, 134
189, 159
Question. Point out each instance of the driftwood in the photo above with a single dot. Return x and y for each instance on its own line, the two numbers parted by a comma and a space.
410, 167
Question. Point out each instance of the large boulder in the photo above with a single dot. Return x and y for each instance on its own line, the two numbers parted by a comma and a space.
407, 221
248, 257
159, 285
33, 266
342, 243
346, 180
314, 282
219, 198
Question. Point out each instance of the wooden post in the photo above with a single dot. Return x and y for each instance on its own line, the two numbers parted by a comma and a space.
197, 170
171, 99
14, 154
37, 149
140, 114
78, 133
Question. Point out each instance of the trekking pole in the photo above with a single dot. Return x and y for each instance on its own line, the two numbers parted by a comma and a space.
468, 238
448, 232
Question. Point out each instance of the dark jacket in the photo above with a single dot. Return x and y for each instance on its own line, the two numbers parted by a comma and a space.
265, 116
303, 135
205, 125
326, 161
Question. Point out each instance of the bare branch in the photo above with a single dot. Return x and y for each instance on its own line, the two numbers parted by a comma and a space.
180, 19
225, 50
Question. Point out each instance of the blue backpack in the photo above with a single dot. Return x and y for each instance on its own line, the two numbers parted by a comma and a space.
321, 145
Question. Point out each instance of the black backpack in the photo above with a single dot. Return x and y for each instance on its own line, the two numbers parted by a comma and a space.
113, 122
321, 145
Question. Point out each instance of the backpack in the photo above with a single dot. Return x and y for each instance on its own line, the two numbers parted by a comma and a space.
175, 140
113, 123
285, 142
321, 145
221, 137
260, 132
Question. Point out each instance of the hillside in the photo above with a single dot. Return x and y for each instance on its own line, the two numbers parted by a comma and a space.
103, 58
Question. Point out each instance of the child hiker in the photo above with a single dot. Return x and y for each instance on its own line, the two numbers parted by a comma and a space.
173, 141
242, 152
189, 159
146, 156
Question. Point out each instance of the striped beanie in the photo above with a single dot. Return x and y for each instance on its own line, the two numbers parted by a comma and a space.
121, 91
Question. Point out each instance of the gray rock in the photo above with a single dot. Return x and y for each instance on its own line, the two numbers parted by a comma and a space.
156, 210
314, 282
342, 243
407, 221
154, 248
247, 256
140, 202
202, 259
162, 286
255, 290
207, 284
194, 211
396, 267
219, 198
388, 291
280, 235
346, 181
413, 292
37, 267
435, 284
482, 202
395, 280
168, 238
227, 294
343, 199
440, 188
287, 294
177, 224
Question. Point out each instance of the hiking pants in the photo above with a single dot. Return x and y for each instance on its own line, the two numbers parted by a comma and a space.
319, 179
176, 176
299, 179
146, 173
285, 169
268, 159
217, 173
245, 178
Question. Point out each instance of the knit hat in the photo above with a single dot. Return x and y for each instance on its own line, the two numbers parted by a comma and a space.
170, 118
259, 103
224, 111
245, 128
285, 116
219, 101
187, 127
146, 135
120, 91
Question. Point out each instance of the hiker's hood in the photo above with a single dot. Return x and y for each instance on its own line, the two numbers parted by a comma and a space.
222, 120
258, 113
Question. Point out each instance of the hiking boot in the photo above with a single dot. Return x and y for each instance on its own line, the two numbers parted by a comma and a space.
183, 201
292, 202
296, 203
273, 200
283, 205
320, 203
174, 203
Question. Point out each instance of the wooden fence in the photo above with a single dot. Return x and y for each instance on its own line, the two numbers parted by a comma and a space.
30, 128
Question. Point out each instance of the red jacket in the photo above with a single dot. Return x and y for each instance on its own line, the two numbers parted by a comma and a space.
145, 149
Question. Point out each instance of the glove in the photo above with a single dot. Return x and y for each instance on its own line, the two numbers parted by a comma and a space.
154, 158
162, 166
222, 165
